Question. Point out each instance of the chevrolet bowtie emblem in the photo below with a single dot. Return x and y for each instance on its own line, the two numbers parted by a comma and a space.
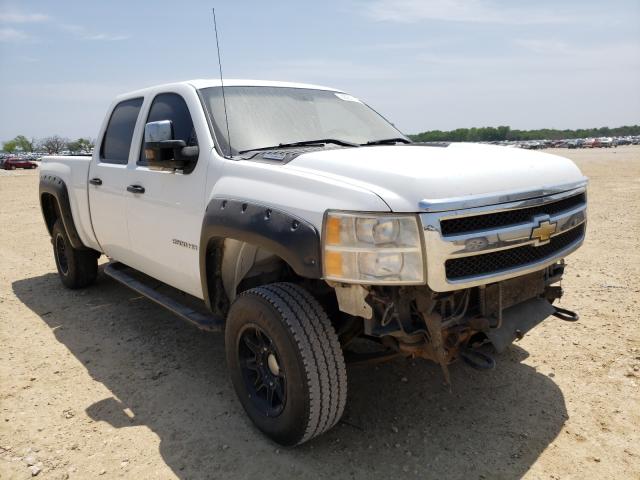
542, 233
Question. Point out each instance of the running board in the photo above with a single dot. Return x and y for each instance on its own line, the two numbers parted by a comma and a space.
144, 285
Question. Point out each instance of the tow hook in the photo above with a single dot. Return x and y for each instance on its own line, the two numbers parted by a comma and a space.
477, 359
566, 315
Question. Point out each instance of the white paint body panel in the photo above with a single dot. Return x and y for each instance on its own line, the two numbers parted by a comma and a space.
108, 209
405, 175
172, 206
303, 194
74, 171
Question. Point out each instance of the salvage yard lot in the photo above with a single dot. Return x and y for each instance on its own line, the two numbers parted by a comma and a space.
103, 383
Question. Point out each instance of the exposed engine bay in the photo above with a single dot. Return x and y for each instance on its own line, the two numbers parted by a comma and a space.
443, 327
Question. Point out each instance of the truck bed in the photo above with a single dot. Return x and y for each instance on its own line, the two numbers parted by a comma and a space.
74, 171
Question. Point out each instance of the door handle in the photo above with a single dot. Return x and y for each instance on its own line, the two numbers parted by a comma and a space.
135, 189
95, 181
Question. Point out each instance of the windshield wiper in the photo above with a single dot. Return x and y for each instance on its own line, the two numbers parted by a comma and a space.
321, 141
387, 141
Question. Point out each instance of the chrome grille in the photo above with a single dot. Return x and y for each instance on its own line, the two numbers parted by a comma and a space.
457, 268
474, 246
474, 223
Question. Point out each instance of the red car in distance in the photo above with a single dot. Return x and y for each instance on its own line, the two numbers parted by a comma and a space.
12, 163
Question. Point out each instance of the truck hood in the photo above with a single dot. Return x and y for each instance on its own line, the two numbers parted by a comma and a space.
406, 175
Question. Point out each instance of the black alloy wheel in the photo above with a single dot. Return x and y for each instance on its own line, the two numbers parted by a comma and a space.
261, 370
285, 362
77, 268
61, 255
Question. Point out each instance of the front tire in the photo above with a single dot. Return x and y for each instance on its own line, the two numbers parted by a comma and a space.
286, 363
76, 268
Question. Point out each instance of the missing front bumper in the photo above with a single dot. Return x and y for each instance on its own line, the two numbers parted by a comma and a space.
518, 320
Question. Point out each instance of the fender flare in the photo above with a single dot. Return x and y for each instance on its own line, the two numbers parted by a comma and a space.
293, 239
56, 187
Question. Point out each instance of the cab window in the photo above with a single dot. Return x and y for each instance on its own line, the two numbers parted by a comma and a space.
171, 106
117, 138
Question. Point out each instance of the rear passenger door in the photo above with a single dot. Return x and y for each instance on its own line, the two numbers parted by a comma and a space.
165, 216
108, 181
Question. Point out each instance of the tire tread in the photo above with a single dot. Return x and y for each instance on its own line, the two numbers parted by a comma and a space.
319, 348
83, 264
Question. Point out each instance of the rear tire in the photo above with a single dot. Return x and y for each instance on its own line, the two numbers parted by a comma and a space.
77, 268
295, 387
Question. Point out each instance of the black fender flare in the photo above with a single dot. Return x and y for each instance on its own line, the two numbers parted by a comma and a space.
56, 187
293, 239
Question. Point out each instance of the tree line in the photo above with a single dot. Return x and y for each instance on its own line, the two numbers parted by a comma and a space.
51, 145
56, 144
490, 134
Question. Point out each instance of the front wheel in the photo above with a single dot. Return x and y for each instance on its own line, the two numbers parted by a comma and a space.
77, 268
285, 362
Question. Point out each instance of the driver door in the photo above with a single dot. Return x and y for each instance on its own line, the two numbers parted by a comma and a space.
165, 207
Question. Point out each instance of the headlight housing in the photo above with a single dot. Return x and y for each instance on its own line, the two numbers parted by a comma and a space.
370, 248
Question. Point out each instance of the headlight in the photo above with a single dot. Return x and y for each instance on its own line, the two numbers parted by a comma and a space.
372, 248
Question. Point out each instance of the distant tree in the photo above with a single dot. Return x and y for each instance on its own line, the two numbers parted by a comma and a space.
503, 132
18, 143
9, 146
86, 145
81, 145
488, 134
24, 143
74, 146
54, 144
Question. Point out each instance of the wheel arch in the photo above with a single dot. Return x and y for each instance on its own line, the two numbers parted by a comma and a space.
294, 241
50, 210
54, 203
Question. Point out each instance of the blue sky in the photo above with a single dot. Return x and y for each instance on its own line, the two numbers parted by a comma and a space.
431, 64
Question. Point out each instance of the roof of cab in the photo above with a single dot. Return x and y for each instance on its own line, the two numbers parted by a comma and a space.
228, 82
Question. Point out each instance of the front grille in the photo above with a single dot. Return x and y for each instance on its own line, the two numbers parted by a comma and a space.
456, 226
457, 268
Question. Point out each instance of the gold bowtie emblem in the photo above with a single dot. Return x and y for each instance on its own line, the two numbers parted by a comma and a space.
542, 233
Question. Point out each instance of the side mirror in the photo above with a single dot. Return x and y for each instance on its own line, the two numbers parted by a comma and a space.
162, 151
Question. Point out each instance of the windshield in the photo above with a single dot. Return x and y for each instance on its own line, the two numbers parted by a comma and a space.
262, 117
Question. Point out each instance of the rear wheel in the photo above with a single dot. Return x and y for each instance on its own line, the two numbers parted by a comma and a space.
77, 268
285, 362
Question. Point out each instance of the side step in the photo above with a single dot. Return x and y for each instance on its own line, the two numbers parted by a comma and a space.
165, 295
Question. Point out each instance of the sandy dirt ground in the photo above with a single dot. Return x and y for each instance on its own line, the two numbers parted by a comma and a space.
103, 383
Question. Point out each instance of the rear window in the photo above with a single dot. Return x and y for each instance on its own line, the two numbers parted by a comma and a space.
117, 139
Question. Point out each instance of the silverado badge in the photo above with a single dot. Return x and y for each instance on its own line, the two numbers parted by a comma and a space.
182, 243
542, 233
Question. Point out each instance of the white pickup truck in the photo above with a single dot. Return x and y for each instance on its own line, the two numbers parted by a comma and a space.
308, 228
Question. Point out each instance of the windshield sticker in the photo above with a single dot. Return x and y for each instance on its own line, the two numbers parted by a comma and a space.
348, 98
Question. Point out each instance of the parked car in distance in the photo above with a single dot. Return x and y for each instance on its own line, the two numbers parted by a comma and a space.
606, 142
12, 163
